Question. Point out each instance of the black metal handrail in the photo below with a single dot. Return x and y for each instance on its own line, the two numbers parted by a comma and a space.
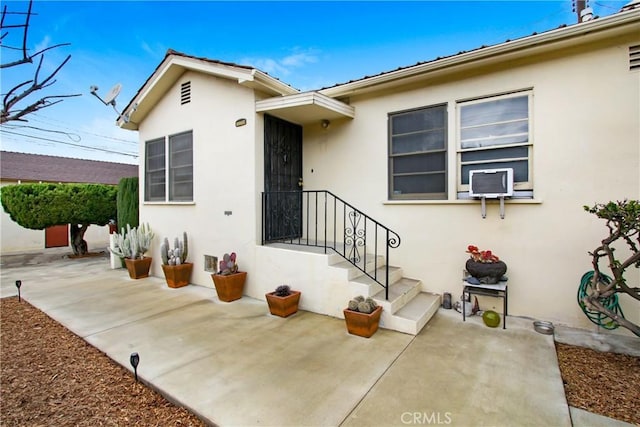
311, 218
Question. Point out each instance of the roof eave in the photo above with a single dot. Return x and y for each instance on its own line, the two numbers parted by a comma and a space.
480, 56
173, 66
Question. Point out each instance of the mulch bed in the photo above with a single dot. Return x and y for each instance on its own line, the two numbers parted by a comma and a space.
603, 383
49, 376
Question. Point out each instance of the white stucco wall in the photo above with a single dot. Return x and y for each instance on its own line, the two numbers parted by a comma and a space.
224, 168
586, 135
16, 239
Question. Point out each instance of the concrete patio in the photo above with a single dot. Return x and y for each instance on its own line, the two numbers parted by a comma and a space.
234, 364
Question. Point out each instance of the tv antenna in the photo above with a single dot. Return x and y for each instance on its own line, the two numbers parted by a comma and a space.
110, 99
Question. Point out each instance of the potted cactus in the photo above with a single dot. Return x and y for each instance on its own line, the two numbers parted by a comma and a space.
228, 280
131, 245
283, 301
177, 271
362, 316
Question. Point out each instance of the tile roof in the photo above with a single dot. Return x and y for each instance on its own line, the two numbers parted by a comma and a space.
36, 167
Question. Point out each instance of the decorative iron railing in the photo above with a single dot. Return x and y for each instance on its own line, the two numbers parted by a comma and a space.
322, 219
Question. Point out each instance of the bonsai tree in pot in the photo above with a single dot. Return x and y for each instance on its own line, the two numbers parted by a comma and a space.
283, 301
228, 280
131, 245
362, 316
177, 271
484, 266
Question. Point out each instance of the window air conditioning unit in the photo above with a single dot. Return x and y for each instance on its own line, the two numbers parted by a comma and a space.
491, 183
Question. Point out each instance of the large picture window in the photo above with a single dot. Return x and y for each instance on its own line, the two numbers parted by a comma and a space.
169, 177
495, 133
418, 154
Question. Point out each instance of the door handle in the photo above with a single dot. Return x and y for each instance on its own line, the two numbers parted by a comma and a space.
300, 183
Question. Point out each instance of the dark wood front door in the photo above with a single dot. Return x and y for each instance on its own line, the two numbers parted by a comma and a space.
282, 179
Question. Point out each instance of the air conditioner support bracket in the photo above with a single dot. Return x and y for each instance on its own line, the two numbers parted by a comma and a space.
483, 204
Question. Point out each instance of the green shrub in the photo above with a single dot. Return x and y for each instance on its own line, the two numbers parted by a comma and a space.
38, 206
128, 209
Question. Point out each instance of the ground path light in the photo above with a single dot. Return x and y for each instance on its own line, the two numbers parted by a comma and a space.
18, 285
134, 360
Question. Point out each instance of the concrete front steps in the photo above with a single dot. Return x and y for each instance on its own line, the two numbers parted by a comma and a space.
408, 308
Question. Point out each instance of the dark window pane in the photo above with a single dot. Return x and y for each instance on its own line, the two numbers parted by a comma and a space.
414, 121
419, 184
418, 142
155, 170
181, 167
501, 153
433, 162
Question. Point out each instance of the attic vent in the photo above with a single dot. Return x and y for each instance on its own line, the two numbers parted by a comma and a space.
634, 57
185, 93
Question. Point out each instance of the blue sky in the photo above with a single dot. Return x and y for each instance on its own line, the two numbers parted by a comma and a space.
308, 45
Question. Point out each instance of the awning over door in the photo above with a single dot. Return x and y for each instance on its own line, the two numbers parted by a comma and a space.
305, 108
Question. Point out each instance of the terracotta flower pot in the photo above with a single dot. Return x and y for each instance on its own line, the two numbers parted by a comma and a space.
138, 268
229, 287
362, 324
283, 306
490, 272
177, 276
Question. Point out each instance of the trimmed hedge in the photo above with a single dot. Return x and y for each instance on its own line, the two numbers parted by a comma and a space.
38, 206
128, 208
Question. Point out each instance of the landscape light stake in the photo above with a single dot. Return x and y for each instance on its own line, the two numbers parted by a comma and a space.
18, 284
135, 359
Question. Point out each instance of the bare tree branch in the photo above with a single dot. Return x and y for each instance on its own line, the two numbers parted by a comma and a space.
30, 58
10, 110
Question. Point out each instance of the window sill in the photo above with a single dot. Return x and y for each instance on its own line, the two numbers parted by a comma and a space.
168, 203
463, 202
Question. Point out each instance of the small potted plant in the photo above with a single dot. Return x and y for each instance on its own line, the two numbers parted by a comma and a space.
131, 245
228, 280
283, 301
177, 271
484, 265
362, 316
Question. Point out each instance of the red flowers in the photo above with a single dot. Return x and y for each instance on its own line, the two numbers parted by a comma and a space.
481, 256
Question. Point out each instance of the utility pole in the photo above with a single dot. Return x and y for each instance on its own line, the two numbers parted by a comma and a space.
578, 7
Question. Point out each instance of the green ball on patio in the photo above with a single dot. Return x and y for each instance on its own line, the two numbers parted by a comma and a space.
491, 318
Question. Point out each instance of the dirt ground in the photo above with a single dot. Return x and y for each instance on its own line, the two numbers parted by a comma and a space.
49, 376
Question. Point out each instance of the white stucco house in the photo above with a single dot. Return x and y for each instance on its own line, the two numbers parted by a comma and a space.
559, 108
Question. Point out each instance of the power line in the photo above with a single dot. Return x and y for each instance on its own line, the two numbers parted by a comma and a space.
72, 144
56, 121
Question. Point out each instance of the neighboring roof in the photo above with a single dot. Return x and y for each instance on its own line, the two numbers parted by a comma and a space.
36, 167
